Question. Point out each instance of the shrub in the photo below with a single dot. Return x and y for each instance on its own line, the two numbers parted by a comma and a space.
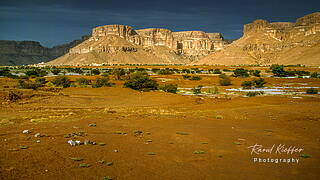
197, 90
255, 73
217, 71
118, 73
195, 78
55, 71
83, 81
61, 81
240, 72
27, 84
172, 88
213, 91
254, 93
259, 83
166, 71
278, 70
95, 71
225, 81
32, 73
141, 81
312, 91
186, 76
40, 80
314, 75
247, 84
102, 82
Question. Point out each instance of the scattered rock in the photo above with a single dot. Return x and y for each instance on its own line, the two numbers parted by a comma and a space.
38, 141
120, 132
109, 163
115, 150
101, 144
101, 161
26, 131
151, 153
87, 142
74, 143
13, 149
92, 125
107, 178
219, 117
37, 135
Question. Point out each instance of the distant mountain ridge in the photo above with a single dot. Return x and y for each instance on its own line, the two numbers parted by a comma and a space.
31, 52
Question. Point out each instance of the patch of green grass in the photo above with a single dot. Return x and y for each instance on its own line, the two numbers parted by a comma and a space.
237, 143
198, 152
151, 153
219, 117
76, 158
84, 165
102, 161
305, 155
23, 147
101, 144
182, 133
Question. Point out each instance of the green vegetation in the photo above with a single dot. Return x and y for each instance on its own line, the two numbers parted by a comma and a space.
102, 82
165, 71
172, 88
259, 83
254, 93
83, 81
118, 73
27, 84
247, 84
95, 71
312, 91
240, 72
195, 78
224, 80
61, 81
197, 90
141, 81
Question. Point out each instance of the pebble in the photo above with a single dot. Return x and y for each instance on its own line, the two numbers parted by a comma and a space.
37, 135
74, 143
25, 131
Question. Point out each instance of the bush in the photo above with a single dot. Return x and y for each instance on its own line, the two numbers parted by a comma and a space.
255, 73
41, 81
55, 71
254, 93
312, 91
172, 88
166, 71
61, 81
102, 82
195, 78
247, 84
32, 73
225, 81
27, 84
223, 75
118, 73
141, 81
278, 70
83, 81
259, 83
314, 75
240, 72
217, 71
186, 76
95, 71
197, 90
213, 91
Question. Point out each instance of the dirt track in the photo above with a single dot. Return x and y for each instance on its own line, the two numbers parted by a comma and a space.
173, 127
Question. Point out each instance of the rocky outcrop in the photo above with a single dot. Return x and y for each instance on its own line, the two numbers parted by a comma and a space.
187, 43
31, 52
267, 43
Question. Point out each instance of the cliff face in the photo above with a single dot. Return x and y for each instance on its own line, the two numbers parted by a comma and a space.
276, 42
31, 52
121, 38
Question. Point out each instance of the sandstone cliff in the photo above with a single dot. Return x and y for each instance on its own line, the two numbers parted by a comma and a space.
31, 52
277, 42
121, 44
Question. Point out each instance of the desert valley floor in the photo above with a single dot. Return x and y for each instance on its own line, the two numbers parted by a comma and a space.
158, 135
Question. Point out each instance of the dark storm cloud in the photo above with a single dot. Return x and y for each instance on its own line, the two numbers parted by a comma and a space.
55, 22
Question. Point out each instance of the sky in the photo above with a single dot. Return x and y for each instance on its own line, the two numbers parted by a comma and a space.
54, 22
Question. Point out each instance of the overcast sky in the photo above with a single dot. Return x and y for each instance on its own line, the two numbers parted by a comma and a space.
54, 22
